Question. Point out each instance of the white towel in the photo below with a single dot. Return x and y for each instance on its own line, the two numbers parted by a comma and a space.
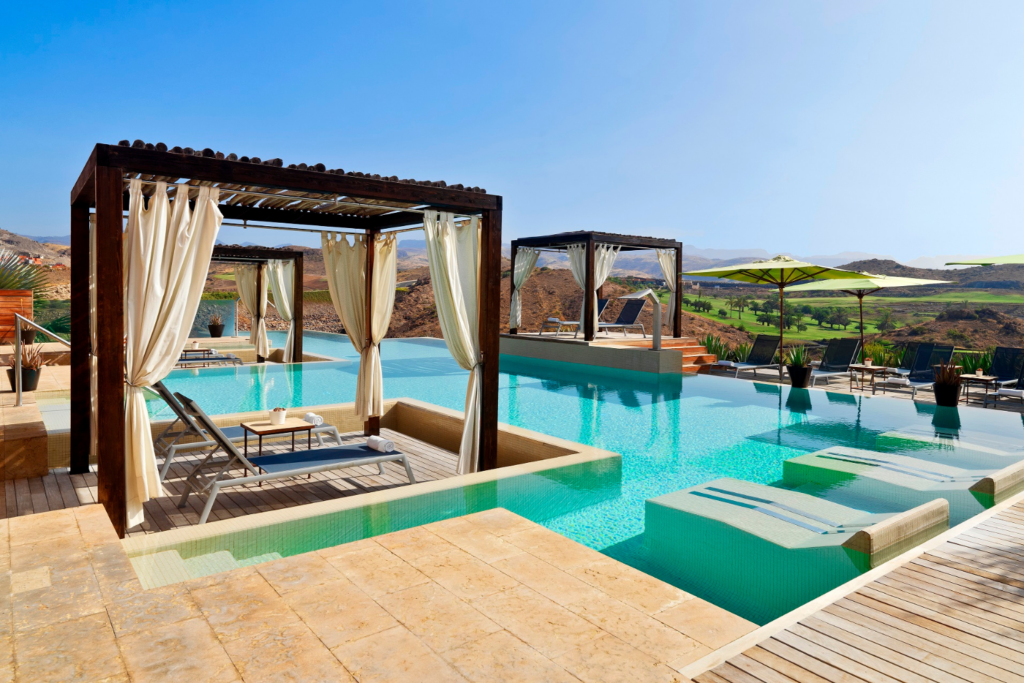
552, 320
381, 444
313, 419
901, 381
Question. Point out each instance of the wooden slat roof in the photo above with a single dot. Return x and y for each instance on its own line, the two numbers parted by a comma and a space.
627, 242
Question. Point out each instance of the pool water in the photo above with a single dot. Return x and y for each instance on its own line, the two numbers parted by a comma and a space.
673, 432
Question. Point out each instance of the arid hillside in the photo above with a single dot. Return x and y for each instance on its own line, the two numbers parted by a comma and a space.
979, 329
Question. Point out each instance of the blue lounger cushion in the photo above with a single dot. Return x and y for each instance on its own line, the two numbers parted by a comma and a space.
285, 462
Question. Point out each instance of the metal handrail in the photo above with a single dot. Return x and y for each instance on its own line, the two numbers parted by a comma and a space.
18, 320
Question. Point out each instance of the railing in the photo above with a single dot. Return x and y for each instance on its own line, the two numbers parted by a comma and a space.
18, 320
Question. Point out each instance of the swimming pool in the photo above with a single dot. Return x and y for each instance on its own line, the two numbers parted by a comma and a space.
672, 431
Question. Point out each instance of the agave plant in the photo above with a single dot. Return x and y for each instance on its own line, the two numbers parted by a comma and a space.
797, 357
947, 374
31, 358
16, 274
741, 352
971, 362
714, 344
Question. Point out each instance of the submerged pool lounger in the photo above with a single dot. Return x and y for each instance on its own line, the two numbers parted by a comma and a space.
831, 527
169, 442
278, 466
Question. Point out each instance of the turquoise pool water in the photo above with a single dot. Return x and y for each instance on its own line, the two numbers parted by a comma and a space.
672, 431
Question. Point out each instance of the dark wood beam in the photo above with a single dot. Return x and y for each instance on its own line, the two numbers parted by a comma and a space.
110, 347
297, 301
309, 218
626, 242
228, 251
588, 293
372, 424
81, 379
84, 191
489, 322
144, 161
677, 326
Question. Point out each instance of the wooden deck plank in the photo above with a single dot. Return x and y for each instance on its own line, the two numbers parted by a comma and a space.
825, 649
759, 671
10, 499
52, 492
826, 671
38, 493
783, 666
67, 489
24, 496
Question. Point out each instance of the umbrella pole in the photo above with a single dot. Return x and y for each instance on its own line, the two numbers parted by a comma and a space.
860, 299
782, 332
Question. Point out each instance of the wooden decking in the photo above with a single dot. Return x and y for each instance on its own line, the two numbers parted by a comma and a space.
955, 613
60, 490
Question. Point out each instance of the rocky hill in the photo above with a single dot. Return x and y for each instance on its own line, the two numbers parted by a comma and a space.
27, 246
996, 277
967, 329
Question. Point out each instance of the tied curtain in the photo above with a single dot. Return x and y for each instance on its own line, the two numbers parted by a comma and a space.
245, 281
526, 259
604, 260
667, 261
346, 279
281, 273
167, 251
454, 260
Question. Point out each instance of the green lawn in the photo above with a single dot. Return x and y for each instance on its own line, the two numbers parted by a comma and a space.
225, 276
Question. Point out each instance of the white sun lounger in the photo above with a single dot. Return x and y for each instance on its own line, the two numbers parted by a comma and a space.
277, 466
171, 441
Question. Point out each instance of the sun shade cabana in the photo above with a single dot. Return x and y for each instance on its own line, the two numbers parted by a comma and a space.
782, 272
591, 258
255, 194
860, 288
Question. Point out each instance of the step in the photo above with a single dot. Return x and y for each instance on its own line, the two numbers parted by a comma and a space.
160, 569
699, 359
211, 563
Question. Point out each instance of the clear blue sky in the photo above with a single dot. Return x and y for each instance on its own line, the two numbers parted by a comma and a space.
813, 128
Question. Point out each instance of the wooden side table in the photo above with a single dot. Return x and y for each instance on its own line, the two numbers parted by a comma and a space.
873, 370
264, 428
986, 381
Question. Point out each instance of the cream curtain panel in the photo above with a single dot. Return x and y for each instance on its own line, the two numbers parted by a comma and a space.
667, 261
604, 261
454, 259
346, 279
526, 259
167, 250
245, 282
281, 273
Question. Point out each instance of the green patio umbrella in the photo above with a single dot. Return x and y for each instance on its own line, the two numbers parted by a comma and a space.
991, 261
870, 284
782, 272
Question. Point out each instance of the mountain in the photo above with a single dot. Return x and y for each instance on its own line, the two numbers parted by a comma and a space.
20, 244
994, 277
50, 239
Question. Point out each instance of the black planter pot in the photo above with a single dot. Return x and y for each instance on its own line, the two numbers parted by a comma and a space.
947, 395
28, 336
799, 377
215, 330
29, 379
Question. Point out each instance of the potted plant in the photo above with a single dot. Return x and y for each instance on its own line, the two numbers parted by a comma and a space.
32, 363
798, 368
947, 385
216, 325
277, 416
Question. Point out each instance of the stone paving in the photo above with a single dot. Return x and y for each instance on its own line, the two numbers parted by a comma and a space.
485, 597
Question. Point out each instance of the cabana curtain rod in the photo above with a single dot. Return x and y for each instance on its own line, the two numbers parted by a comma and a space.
326, 201
340, 232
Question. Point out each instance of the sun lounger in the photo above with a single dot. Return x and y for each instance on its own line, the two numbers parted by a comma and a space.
922, 376
1004, 390
839, 354
557, 325
184, 434
762, 356
627, 319
907, 362
273, 467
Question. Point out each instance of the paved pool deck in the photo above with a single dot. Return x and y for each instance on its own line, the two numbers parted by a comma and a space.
485, 597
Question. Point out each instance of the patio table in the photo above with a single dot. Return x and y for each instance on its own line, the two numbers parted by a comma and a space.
264, 428
986, 381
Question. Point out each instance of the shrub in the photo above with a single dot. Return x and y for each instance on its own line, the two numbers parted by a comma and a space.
722, 313
958, 336
801, 327
741, 352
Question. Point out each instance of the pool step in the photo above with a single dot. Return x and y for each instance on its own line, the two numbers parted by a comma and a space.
160, 569
257, 559
211, 563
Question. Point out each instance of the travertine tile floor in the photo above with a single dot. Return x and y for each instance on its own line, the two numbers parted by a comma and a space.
486, 597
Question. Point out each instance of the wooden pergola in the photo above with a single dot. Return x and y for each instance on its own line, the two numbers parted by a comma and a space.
260, 255
562, 241
250, 190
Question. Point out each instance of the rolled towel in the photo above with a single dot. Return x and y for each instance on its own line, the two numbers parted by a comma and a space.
313, 419
381, 444
552, 320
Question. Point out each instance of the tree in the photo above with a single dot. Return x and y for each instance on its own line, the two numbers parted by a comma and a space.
886, 321
820, 314
840, 317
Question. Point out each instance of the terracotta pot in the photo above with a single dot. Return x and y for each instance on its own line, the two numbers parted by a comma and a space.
799, 376
947, 394
29, 378
215, 330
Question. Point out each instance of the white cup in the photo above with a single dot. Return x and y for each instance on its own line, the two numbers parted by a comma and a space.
868, 362
979, 372
277, 417
195, 345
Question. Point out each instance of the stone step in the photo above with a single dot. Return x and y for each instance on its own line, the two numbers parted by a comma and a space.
211, 563
160, 569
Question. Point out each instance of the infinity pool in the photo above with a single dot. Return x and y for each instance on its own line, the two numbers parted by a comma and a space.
672, 431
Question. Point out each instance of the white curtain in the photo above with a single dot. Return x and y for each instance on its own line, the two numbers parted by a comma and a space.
667, 261
167, 250
281, 273
245, 282
604, 261
345, 264
526, 259
454, 259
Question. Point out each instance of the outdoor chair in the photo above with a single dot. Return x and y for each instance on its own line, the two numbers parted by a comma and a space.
762, 356
273, 467
907, 363
1004, 391
627, 318
175, 437
1007, 363
922, 376
557, 325
839, 355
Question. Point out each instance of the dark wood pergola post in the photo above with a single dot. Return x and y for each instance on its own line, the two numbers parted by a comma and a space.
372, 424
677, 326
109, 402
297, 299
490, 333
81, 380
256, 316
588, 289
512, 285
